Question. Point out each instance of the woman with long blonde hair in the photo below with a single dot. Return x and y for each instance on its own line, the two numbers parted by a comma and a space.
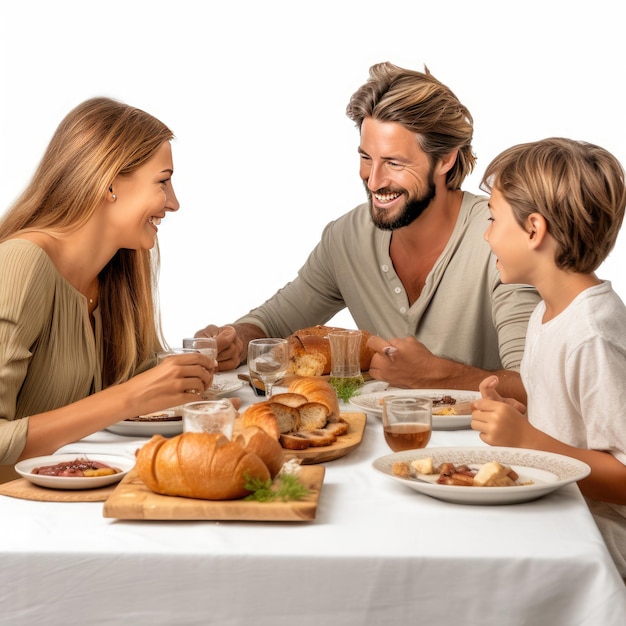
79, 328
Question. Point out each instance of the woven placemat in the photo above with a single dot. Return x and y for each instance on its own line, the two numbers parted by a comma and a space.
24, 489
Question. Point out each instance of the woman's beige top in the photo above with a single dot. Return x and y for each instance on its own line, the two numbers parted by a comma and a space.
49, 354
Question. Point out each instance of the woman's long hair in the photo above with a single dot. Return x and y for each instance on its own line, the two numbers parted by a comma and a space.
98, 140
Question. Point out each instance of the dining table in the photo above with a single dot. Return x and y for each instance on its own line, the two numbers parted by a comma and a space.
374, 553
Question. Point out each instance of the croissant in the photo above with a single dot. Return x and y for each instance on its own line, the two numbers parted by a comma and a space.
310, 351
206, 465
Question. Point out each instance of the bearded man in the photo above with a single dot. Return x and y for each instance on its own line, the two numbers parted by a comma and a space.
411, 264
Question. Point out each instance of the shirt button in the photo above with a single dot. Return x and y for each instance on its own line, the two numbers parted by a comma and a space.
398, 290
384, 268
403, 309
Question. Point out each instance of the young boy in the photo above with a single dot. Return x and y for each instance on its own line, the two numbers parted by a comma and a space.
556, 209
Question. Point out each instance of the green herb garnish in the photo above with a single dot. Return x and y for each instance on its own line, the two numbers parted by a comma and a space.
346, 388
285, 487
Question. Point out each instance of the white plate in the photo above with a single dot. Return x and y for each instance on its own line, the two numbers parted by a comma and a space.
24, 469
167, 428
371, 403
223, 387
548, 472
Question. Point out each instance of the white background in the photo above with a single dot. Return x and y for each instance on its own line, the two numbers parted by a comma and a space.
255, 92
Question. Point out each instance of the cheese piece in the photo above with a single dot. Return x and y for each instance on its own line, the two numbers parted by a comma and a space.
423, 466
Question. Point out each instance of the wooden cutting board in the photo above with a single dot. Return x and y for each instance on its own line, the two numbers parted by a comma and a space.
24, 489
133, 500
344, 444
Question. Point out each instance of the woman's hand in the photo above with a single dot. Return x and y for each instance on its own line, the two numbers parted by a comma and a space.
178, 379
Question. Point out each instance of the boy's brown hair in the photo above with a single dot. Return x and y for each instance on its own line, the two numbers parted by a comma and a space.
576, 186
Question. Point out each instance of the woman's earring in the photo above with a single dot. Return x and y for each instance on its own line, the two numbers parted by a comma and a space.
114, 196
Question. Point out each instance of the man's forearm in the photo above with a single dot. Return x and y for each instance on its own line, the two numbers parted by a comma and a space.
460, 376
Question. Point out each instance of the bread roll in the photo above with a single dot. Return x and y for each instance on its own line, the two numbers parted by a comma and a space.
313, 415
274, 418
256, 440
316, 390
290, 399
203, 465
309, 345
308, 414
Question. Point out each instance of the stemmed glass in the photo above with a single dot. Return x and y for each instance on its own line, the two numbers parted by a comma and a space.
268, 360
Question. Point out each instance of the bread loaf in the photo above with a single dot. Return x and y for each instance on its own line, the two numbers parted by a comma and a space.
315, 390
207, 466
306, 415
274, 418
256, 440
310, 351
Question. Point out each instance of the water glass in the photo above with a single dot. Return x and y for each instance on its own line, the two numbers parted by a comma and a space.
407, 422
205, 345
345, 360
209, 416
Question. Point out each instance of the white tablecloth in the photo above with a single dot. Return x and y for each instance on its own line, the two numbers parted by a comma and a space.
377, 553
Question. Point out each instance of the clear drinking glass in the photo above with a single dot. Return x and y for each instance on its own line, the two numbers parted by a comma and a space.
407, 422
209, 416
205, 345
161, 356
345, 362
268, 360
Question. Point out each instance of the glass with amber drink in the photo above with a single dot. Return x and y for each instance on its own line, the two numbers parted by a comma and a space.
407, 422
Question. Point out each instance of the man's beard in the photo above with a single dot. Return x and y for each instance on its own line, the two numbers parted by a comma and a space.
410, 212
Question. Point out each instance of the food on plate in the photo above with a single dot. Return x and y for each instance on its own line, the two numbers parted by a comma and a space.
207, 465
444, 400
402, 469
309, 350
306, 415
78, 468
491, 474
450, 474
438, 401
460, 408
449, 410
423, 466
166, 416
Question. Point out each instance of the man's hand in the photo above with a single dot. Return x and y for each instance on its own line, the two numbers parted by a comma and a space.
409, 363
232, 343
405, 363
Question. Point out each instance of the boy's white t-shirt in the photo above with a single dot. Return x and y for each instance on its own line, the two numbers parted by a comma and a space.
574, 370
